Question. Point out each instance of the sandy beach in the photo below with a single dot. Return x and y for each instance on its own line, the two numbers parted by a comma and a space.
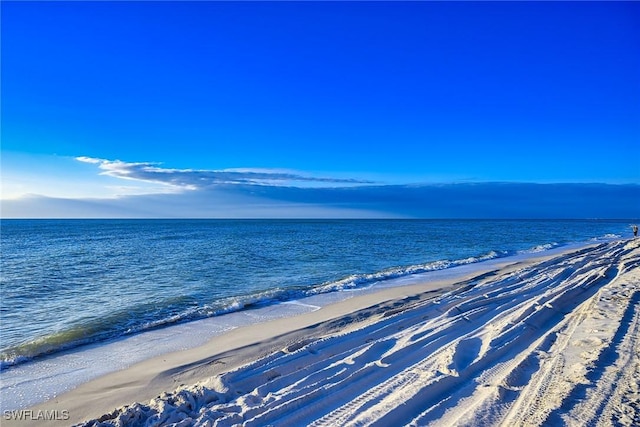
320, 213
549, 341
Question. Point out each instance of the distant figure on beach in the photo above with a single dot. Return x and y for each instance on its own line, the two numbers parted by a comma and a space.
635, 230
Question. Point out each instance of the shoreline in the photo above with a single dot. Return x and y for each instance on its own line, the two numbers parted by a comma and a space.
318, 295
231, 350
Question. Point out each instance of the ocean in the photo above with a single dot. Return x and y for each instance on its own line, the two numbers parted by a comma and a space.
69, 283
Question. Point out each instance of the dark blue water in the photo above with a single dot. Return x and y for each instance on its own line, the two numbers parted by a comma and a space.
68, 282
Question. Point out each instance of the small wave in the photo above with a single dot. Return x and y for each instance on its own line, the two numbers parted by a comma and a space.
606, 237
540, 248
42, 346
363, 280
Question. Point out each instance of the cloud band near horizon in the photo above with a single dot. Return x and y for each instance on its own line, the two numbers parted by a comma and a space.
192, 179
246, 193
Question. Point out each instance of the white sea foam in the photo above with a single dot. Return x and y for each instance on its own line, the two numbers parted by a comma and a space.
607, 237
542, 248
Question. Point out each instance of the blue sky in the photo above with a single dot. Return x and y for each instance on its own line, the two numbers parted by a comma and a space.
196, 101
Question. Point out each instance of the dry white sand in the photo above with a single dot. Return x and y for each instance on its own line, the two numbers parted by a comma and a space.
550, 342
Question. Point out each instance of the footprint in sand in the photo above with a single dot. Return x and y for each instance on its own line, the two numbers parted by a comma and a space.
466, 352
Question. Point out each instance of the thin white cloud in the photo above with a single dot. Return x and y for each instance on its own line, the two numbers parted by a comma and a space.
193, 179
85, 159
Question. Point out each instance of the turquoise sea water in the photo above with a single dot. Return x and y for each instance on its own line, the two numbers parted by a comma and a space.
65, 283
